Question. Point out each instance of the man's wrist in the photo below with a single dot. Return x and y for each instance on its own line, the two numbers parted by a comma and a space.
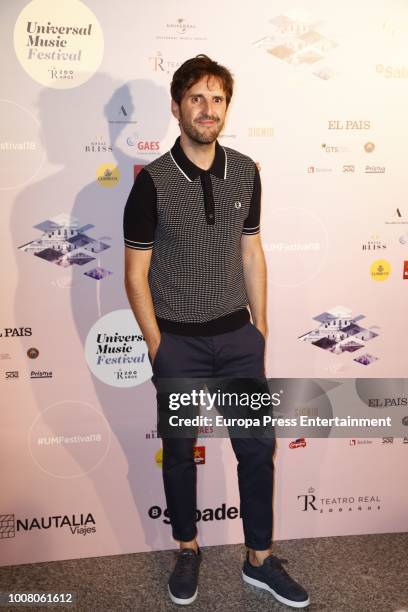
260, 323
153, 344
262, 326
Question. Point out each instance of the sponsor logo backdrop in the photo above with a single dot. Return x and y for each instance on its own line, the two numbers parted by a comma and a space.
320, 104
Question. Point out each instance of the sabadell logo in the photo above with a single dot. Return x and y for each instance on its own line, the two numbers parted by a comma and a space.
221, 513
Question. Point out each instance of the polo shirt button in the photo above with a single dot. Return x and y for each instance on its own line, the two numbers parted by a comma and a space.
211, 216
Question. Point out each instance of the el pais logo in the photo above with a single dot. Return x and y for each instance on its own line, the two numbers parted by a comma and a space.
12, 332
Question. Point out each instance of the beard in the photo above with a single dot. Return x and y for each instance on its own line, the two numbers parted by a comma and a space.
202, 134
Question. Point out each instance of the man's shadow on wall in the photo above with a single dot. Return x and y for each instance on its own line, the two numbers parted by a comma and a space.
131, 411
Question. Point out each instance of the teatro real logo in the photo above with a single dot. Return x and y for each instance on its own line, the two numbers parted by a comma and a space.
161, 63
312, 502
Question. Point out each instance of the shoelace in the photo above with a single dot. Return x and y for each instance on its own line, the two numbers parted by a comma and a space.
276, 563
184, 564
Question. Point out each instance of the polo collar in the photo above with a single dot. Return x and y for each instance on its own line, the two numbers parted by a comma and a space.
191, 171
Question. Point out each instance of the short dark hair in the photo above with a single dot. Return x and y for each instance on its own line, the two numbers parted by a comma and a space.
194, 69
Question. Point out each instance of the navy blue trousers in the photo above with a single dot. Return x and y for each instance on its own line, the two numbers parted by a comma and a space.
239, 353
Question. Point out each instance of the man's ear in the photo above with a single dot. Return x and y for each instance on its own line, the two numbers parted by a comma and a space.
175, 109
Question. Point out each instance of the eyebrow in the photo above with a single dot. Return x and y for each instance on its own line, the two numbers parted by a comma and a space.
200, 95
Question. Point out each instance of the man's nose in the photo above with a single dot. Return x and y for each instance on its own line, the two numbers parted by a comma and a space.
207, 107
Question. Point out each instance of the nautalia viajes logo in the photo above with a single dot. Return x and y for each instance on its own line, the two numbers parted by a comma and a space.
75, 524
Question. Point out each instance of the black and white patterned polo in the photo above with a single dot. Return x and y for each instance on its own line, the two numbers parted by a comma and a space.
193, 220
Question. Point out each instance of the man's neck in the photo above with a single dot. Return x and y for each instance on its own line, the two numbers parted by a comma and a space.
202, 155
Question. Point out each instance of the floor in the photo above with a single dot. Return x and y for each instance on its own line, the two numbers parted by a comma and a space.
366, 573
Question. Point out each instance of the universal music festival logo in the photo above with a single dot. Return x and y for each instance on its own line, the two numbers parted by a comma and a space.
59, 44
116, 352
40, 36
115, 349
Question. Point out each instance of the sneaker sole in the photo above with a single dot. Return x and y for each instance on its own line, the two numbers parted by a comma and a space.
266, 587
182, 602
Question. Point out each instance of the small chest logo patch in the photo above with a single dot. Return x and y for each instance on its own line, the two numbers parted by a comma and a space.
237, 204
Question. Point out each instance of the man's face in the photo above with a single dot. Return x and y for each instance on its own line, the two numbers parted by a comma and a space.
201, 112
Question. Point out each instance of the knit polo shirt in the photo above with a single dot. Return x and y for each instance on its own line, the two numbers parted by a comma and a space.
193, 220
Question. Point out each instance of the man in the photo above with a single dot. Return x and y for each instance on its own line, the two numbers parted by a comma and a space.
194, 262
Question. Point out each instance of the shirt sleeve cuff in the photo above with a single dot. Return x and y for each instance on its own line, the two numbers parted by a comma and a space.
140, 246
249, 231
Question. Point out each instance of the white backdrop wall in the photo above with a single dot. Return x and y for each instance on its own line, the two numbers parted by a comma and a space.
320, 102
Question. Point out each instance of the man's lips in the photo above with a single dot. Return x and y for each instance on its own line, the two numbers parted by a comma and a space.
206, 122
